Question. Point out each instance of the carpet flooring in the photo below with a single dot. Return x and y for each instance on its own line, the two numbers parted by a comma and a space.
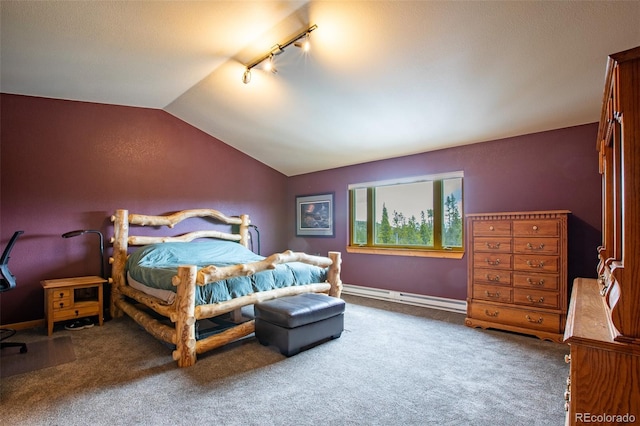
393, 365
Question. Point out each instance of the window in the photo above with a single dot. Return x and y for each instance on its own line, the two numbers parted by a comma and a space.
420, 216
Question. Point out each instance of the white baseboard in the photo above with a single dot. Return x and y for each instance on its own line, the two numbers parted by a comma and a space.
451, 305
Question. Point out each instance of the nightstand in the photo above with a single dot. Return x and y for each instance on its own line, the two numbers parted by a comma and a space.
72, 298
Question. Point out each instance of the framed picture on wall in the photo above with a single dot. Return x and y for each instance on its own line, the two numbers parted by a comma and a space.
314, 215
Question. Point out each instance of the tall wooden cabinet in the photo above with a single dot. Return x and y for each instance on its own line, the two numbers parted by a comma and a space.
603, 325
518, 272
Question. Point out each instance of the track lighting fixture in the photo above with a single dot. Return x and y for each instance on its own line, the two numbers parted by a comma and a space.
301, 40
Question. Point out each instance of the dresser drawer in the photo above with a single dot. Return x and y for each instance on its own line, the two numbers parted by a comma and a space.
537, 281
495, 245
521, 317
492, 276
494, 293
539, 298
540, 228
492, 228
535, 245
537, 263
492, 261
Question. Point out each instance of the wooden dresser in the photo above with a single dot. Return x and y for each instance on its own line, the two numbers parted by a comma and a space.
603, 326
518, 272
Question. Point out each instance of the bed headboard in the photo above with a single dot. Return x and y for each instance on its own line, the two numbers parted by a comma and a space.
173, 219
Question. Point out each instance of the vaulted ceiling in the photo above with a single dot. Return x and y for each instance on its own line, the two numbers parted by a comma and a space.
382, 79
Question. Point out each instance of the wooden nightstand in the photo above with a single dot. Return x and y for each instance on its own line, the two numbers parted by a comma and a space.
72, 298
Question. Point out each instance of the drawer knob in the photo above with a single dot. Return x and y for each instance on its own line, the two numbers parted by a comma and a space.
567, 358
496, 278
492, 262
495, 295
538, 321
493, 246
491, 228
531, 247
535, 227
77, 313
540, 264
490, 314
539, 283
532, 300
61, 304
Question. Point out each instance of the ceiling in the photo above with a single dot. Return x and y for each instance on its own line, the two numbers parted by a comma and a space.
383, 78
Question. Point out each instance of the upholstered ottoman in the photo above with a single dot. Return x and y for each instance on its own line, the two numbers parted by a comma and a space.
291, 323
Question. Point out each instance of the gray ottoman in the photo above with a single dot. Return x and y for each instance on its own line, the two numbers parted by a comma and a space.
291, 323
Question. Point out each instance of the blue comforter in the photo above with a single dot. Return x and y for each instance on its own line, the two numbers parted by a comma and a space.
155, 265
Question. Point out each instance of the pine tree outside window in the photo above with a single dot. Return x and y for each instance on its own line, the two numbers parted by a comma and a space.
417, 215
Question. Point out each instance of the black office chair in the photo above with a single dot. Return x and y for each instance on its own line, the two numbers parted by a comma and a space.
8, 282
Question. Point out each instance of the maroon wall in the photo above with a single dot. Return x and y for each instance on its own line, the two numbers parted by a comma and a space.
543, 171
68, 165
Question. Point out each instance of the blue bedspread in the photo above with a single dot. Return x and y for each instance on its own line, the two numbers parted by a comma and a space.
155, 265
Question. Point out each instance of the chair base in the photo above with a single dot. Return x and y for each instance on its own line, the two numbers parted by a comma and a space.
22, 346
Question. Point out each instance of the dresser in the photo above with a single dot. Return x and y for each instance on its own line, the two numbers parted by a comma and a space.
517, 277
603, 325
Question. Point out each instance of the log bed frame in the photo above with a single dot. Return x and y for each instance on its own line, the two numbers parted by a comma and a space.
182, 312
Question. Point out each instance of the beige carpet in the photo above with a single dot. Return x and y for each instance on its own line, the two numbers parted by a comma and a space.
393, 365
41, 354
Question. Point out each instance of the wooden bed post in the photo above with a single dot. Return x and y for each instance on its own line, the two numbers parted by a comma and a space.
244, 230
333, 276
185, 320
119, 259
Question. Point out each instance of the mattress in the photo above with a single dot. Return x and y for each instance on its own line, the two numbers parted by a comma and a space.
155, 265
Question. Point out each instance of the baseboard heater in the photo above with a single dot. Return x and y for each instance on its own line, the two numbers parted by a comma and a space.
452, 305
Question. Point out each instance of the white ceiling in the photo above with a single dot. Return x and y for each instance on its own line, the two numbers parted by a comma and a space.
383, 78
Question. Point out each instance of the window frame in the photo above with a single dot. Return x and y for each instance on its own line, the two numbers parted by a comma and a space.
438, 250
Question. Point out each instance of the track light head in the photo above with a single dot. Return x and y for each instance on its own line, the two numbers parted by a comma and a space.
303, 43
270, 65
246, 77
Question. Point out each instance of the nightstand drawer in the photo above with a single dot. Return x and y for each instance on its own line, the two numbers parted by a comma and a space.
84, 310
63, 293
58, 304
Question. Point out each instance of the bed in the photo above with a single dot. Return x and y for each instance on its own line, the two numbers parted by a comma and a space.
167, 284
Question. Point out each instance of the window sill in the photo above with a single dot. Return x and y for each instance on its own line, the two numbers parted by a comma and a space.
442, 254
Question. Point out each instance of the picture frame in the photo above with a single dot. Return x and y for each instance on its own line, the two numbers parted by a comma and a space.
314, 215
